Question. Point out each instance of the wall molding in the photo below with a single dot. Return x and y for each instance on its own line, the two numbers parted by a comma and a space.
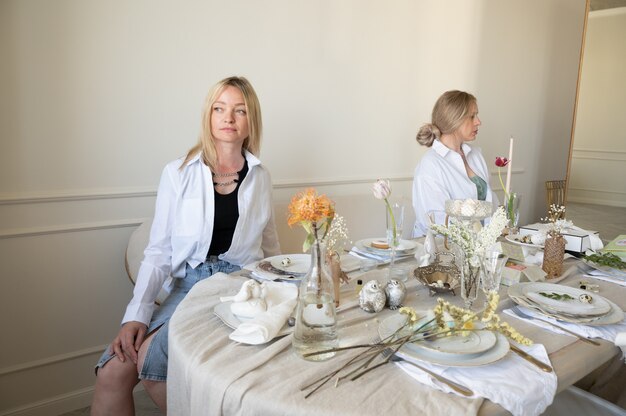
73, 228
55, 359
78, 195
47, 197
603, 191
599, 154
54, 405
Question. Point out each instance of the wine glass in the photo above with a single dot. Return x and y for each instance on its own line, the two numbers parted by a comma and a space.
492, 264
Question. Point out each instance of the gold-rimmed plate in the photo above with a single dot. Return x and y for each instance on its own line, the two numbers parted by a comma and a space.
500, 348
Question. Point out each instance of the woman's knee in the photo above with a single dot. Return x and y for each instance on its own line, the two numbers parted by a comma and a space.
117, 375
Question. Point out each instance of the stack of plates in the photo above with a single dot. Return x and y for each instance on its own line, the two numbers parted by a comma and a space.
477, 348
566, 303
365, 248
284, 267
291, 267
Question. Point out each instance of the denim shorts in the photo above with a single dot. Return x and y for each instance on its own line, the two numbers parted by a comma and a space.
155, 363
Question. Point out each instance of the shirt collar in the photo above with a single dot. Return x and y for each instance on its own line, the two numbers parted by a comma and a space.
443, 150
252, 160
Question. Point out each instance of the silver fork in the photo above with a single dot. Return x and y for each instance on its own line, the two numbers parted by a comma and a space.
389, 353
521, 314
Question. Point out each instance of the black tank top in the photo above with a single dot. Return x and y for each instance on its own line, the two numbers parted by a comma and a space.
226, 216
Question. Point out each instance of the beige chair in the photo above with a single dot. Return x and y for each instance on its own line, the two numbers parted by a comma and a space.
134, 254
555, 192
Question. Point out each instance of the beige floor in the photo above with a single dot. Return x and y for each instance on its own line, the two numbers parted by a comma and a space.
608, 221
144, 406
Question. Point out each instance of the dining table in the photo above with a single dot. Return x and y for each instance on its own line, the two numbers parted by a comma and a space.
209, 374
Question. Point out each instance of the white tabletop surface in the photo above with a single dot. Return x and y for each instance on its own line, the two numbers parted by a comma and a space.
209, 374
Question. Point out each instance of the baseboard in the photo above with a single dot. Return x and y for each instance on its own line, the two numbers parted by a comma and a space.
56, 405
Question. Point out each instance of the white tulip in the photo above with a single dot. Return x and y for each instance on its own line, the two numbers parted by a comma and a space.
381, 189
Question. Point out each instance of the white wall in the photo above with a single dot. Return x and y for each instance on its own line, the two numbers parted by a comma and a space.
98, 96
599, 154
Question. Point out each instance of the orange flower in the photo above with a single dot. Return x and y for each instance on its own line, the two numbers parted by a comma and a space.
314, 212
309, 207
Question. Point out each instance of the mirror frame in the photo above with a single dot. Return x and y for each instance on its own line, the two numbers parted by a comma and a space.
575, 114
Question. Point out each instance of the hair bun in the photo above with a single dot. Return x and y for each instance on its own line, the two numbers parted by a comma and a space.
427, 134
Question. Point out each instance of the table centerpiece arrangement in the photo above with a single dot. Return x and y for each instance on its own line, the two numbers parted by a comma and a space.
394, 219
554, 248
472, 240
316, 317
511, 199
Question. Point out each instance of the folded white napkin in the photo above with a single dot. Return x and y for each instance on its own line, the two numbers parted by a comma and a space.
281, 299
499, 381
607, 332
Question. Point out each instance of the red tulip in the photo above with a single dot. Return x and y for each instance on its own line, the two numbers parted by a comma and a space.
502, 161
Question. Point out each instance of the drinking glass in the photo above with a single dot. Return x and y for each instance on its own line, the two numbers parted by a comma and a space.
470, 280
511, 207
492, 264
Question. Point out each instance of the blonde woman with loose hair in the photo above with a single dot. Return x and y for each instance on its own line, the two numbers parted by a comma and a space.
206, 144
451, 168
213, 213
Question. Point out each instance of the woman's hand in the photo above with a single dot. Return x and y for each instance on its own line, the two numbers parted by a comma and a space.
128, 340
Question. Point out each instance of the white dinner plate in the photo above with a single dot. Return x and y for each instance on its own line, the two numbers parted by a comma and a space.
389, 325
516, 239
572, 306
614, 316
299, 263
405, 247
611, 271
474, 343
222, 311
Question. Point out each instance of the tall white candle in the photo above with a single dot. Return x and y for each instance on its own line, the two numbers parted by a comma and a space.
508, 170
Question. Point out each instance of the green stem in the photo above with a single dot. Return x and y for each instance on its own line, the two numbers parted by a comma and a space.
506, 194
393, 222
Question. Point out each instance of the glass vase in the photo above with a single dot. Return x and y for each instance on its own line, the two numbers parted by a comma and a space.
316, 318
553, 255
394, 221
470, 279
511, 207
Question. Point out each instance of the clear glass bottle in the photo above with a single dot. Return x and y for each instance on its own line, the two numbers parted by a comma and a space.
316, 318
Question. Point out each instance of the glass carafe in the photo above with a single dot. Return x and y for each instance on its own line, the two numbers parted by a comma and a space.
316, 318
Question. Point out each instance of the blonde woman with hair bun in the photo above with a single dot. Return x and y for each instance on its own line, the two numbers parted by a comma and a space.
213, 214
451, 168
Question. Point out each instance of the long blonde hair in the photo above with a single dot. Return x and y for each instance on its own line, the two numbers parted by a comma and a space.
449, 112
206, 144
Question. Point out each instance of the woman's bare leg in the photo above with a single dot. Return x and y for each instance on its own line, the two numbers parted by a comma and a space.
113, 394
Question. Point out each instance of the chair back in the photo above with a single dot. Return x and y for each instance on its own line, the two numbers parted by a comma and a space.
555, 192
134, 254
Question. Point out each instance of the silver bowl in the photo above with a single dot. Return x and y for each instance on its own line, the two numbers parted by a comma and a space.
440, 277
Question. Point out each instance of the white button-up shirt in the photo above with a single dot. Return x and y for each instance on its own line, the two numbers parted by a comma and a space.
440, 175
182, 228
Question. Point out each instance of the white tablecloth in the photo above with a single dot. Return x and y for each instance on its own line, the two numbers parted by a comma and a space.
211, 375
